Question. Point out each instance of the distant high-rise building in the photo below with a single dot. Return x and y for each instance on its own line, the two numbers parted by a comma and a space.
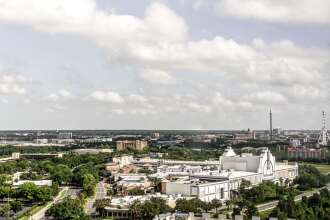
270, 125
324, 136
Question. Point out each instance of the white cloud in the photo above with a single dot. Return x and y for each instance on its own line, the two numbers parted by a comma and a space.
305, 93
12, 84
285, 11
196, 107
282, 72
53, 97
158, 43
61, 95
156, 76
219, 99
65, 93
83, 16
137, 98
106, 96
266, 98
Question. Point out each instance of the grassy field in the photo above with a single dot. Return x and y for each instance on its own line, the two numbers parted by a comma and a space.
323, 168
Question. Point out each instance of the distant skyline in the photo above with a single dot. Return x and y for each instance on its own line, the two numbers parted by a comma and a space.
171, 64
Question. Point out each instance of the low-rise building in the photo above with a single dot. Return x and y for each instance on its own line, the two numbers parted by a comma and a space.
92, 151
304, 152
205, 190
131, 181
36, 182
123, 160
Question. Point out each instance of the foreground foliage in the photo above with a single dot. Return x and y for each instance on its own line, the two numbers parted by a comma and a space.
68, 209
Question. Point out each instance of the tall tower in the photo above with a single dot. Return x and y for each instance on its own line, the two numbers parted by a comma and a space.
324, 136
270, 125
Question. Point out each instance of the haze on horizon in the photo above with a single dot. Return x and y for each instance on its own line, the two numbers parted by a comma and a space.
171, 64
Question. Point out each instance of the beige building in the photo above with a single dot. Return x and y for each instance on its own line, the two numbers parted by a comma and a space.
130, 144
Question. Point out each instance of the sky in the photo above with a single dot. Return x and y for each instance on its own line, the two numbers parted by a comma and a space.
171, 64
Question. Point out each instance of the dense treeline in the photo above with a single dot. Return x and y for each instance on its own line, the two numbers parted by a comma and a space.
196, 205
72, 169
29, 192
310, 177
8, 150
186, 153
25, 193
266, 191
314, 207
149, 209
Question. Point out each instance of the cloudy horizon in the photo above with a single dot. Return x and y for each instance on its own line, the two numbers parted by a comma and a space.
197, 64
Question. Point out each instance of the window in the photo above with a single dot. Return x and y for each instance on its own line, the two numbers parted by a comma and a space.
221, 193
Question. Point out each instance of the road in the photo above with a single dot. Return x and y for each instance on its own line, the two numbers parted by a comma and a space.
41, 213
273, 204
100, 193
73, 192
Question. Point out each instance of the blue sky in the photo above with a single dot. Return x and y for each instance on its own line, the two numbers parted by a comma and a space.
199, 64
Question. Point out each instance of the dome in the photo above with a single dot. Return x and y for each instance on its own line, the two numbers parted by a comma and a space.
229, 152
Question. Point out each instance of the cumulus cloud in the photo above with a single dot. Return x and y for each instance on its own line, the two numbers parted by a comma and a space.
61, 95
284, 11
137, 98
65, 93
83, 16
266, 98
304, 93
106, 96
12, 84
156, 76
159, 45
160, 41
219, 99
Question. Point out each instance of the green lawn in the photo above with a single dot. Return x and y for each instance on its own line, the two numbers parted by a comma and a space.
323, 168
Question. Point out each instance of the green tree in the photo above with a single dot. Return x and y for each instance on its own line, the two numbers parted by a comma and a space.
27, 191
251, 210
61, 174
136, 209
89, 183
216, 203
4, 210
68, 209
16, 205
149, 209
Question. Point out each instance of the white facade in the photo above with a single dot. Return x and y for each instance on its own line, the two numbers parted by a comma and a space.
224, 183
204, 190
36, 182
